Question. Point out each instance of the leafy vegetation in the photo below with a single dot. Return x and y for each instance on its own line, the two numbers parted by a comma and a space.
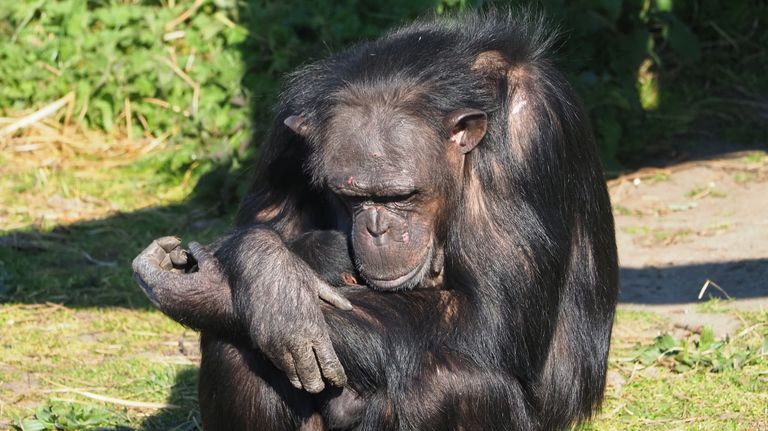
682, 355
158, 100
650, 70
189, 73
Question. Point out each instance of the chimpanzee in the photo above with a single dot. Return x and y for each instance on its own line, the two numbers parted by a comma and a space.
460, 166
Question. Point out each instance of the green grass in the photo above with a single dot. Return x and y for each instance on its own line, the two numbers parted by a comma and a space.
658, 235
74, 324
700, 192
80, 346
663, 388
54, 355
715, 305
755, 157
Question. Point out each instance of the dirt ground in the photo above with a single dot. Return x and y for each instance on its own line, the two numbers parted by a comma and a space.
698, 225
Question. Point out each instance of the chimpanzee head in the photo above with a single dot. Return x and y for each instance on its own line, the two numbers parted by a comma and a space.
392, 163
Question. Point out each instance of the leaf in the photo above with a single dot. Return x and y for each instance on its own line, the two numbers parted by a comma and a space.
683, 42
44, 413
33, 425
707, 338
612, 8
106, 113
664, 5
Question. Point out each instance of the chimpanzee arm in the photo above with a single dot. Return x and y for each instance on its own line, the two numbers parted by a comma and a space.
203, 301
274, 280
388, 340
196, 302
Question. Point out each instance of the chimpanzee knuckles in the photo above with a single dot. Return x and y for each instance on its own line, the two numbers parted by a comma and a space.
145, 269
306, 364
168, 243
151, 256
178, 257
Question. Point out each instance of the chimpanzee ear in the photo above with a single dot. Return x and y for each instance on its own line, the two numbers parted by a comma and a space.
298, 124
467, 127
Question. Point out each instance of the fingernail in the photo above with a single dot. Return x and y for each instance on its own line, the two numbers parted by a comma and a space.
346, 305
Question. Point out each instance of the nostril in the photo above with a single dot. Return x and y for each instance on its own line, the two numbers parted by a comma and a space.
380, 240
376, 230
377, 225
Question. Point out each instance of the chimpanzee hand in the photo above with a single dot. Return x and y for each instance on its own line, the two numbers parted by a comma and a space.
158, 270
285, 322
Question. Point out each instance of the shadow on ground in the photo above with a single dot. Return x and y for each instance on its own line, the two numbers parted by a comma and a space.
185, 414
87, 264
682, 283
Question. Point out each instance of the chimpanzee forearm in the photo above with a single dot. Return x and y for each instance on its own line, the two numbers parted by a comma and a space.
200, 300
204, 301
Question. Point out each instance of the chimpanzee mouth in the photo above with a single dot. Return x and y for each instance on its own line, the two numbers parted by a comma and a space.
407, 281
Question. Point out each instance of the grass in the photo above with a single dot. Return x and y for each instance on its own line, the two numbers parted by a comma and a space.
81, 348
659, 393
715, 305
56, 356
756, 157
701, 192
653, 236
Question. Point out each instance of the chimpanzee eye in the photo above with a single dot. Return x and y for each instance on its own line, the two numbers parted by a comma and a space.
403, 201
395, 201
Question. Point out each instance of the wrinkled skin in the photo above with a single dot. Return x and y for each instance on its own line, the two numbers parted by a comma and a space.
302, 348
395, 247
449, 154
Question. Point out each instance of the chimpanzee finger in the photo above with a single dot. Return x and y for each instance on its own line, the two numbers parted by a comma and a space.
329, 362
201, 254
288, 366
168, 243
166, 263
333, 297
307, 368
152, 255
149, 273
178, 257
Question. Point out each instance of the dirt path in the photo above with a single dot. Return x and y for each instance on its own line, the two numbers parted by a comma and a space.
680, 227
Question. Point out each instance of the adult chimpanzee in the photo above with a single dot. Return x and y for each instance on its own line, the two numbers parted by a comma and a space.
451, 153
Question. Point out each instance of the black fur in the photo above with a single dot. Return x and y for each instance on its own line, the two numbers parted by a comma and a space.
517, 337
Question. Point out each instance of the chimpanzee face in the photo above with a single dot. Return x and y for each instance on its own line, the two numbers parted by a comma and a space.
392, 171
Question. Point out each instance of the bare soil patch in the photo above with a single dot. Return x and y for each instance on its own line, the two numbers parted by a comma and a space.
690, 225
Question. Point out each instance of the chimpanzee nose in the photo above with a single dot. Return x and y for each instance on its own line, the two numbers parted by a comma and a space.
376, 225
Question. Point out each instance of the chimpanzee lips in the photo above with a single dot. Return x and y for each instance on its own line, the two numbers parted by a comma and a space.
407, 281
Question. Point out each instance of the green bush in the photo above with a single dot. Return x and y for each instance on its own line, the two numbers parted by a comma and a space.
645, 68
